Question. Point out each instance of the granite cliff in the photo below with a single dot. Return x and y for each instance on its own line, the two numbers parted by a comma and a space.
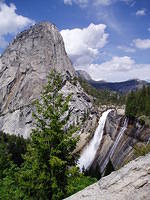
119, 139
24, 67
84, 75
129, 183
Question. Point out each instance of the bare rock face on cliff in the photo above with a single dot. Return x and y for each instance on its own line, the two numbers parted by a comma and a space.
24, 67
118, 143
129, 183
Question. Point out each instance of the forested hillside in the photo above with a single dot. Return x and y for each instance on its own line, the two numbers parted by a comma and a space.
102, 96
138, 103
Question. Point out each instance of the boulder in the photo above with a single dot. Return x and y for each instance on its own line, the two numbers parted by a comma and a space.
129, 183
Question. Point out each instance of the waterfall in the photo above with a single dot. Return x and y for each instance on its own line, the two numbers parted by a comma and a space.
113, 148
89, 152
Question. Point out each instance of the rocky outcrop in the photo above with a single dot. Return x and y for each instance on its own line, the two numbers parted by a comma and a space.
84, 75
24, 67
129, 183
117, 146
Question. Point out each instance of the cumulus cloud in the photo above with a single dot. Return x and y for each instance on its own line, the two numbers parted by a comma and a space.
141, 12
118, 69
142, 43
124, 63
83, 45
11, 22
126, 49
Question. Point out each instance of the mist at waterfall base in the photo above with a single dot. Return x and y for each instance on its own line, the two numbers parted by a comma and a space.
87, 156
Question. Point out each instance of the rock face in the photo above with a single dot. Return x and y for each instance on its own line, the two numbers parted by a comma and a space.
118, 142
129, 183
84, 75
24, 67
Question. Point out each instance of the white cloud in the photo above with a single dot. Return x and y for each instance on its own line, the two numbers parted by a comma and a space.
10, 22
81, 3
83, 45
118, 69
84, 3
68, 2
142, 43
141, 12
124, 63
102, 2
126, 49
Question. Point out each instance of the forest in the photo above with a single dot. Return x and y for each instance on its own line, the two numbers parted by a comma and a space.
44, 166
138, 103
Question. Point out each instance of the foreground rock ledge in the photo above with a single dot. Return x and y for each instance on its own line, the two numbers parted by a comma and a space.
132, 182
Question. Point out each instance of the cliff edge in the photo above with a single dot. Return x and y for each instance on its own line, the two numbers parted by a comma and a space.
129, 183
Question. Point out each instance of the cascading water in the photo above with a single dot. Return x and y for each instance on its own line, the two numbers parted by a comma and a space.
89, 152
120, 134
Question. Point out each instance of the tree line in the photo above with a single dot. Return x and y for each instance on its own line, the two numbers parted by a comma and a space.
102, 96
138, 103
44, 166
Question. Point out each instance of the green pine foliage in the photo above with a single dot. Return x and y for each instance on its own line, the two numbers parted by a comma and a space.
43, 167
102, 96
138, 103
49, 158
141, 150
14, 146
11, 150
78, 181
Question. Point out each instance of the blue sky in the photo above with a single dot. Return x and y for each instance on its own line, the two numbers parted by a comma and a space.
110, 39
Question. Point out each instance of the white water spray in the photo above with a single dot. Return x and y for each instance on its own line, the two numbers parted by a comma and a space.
89, 152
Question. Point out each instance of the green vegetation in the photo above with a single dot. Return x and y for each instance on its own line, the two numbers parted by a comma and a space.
138, 103
102, 96
14, 146
109, 168
141, 150
11, 150
49, 159
138, 107
47, 169
78, 181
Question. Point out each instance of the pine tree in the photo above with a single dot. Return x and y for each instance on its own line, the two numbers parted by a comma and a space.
47, 164
131, 106
138, 103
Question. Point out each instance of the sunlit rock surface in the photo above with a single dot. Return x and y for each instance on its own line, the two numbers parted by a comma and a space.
24, 67
129, 183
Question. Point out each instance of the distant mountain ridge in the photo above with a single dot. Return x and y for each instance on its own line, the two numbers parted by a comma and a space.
122, 87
